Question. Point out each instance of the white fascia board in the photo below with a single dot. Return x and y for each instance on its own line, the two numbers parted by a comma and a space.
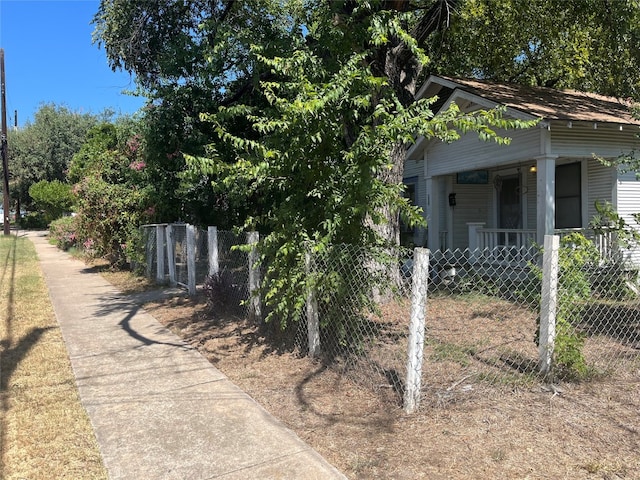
435, 82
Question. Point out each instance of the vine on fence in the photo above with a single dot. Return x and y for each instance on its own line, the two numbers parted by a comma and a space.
576, 256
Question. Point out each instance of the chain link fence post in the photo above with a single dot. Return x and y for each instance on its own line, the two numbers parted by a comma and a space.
548, 303
313, 323
171, 255
254, 276
149, 252
212, 239
420, 283
160, 241
191, 259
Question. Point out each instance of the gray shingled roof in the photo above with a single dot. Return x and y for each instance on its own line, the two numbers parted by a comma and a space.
551, 104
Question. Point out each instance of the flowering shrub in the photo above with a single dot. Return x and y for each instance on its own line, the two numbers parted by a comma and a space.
112, 193
63, 232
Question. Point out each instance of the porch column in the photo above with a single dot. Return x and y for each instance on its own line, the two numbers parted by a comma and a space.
546, 196
433, 213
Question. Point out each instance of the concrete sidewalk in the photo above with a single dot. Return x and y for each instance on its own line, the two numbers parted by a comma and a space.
159, 409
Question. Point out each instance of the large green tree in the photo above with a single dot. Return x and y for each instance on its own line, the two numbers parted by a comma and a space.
189, 58
309, 122
194, 57
43, 149
588, 45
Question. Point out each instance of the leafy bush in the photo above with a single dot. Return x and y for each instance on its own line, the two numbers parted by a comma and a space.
53, 199
223, 294
33, 220
63, 233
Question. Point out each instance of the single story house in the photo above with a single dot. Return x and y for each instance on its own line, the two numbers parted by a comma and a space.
478, 194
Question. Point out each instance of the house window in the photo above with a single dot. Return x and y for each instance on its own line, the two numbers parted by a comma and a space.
406, 232
568, 196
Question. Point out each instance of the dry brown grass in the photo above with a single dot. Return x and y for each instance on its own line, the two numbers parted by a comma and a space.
46, 433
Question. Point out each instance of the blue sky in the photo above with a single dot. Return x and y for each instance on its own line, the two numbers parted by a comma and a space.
49, 58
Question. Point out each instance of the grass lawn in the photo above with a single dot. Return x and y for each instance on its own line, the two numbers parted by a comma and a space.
44, 430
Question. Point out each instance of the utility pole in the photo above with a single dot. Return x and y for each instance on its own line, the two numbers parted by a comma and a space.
5, 150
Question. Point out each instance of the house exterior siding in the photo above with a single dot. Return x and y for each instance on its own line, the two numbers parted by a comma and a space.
629, 203
583, 140
600, 185
473, 205
471, 153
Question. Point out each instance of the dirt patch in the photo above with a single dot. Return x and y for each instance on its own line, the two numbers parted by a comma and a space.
467, 428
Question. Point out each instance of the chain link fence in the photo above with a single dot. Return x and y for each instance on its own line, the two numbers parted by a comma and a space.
482, 314
417, 330
193, 258
507, 316
228, 289
149, 242
355, 315
597, 330
179, 244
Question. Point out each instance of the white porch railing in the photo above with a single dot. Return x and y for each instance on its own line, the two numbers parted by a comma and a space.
488, 238
512, 240
606, 243
504, 237
500, 246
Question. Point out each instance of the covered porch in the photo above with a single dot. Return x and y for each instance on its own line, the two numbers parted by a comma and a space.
508, 206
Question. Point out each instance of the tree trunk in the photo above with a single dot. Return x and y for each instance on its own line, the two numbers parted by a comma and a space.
389, 232
402, 69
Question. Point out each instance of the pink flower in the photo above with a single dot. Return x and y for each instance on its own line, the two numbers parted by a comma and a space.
137, 165
133, 144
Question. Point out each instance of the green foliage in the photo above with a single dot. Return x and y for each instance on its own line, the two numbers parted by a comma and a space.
608, 221
612, 278
42, 150
188, 59
577, 255
569, 358
326, 158
342, 279
587, 45
113, 191
52, 198
33, 220
306, 107
63, 233
576, 258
